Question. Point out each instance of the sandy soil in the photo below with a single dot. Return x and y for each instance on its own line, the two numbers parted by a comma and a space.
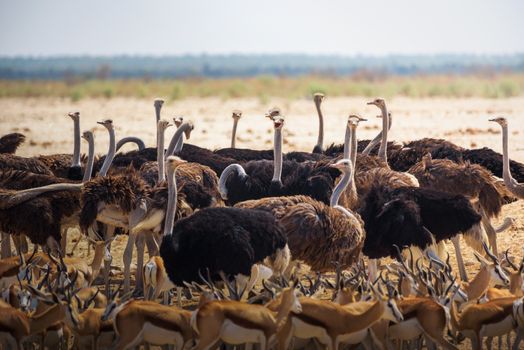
463, 121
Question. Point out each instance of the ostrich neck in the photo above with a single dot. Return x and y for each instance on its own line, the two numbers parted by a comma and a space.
377, 138
160, 154
75, 162
179, 144
90, 160
171, 201
234, 133
30, 193
320, 139
347, 178
173, 144
110, 153
277, 156
157, 111
131, 139
382, 152
509, 181
347, 142
354, 146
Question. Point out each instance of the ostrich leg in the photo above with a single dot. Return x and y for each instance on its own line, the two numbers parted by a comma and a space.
127, 258
21, 244
460, 262
6, 245
108, 234
140, 243
490, 231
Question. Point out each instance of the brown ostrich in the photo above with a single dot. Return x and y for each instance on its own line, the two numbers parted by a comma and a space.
513, 186
470, 180
9, 143
59, 203
318, 234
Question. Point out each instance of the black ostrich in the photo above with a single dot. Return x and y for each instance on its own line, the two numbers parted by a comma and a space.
9, 143
412, 216
221, 240
264, 178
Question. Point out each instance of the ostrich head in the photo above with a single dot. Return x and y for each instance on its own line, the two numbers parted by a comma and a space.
354, 119
237, 114
108, 124
87, 135
178, 120
74, 115
318, 97
188, 131
344, 165
278, 122
379, 102
163, 124
273, 112
500, 120
158, 103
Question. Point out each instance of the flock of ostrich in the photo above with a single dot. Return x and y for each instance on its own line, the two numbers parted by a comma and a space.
260, 247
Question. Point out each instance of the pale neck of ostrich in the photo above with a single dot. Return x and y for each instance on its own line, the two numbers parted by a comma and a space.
509, 181
131, 139
277, 156
354, 147
179, 143
320, 139
377, 138
347, 179
234, 133
347, 141
110, 152
75, 162
25, 195
382, 152
171, 201
230, 169
171, 149
160, 153
90, 160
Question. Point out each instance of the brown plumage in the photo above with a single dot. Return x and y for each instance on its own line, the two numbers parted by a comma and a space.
317, 234
365, 179
12, 162
60, 165
470, 180
124, 191
9, 143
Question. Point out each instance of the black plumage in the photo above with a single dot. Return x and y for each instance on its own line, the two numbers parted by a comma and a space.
316, 180
246, 154
228, 240
411, 216
492, 161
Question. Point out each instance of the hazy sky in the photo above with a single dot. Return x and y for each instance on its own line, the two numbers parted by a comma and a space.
105, 27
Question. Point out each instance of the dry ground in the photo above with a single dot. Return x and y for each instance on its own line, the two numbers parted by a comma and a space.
463, 121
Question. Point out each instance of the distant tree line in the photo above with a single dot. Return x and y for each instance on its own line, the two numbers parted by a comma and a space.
218, 66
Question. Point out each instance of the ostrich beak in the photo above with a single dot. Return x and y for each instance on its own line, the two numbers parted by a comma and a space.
492, 120
101, 123
371, 103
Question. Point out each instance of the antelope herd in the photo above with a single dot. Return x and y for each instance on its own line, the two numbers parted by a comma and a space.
342, 247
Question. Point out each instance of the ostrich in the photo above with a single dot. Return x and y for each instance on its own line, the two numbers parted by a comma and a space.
318, 234
197, 243
513, 185
263, 178
367, 171
412, 216
9, 143
470, 180
66, 165
52, 208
